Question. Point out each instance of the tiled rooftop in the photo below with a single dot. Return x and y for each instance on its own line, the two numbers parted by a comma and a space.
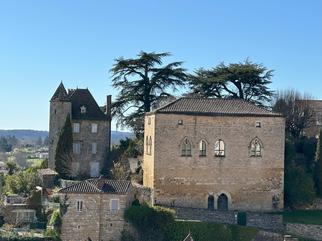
211, 106
99, 185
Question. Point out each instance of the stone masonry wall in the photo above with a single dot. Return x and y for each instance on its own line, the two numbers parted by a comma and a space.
305, 230
250, 183
82, 162
148, 159
272, 222
96, 220
198, 214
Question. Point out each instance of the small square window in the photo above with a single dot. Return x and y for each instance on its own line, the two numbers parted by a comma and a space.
114, 204
258, 124
94, 128
76, 127
180, 122
78, 226
76, 148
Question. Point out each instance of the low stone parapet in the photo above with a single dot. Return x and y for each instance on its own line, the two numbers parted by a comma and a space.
273, 222
305, 230
205, 215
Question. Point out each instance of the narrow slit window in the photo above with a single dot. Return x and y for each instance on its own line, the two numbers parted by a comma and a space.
202, 148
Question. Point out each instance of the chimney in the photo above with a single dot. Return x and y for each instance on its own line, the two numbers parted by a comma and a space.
108, 106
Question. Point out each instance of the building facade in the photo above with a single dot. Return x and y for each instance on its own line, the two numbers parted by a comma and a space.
316, 121
91, 127
223, 154
95, 210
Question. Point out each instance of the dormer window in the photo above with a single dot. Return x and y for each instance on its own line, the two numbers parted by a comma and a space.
83, 109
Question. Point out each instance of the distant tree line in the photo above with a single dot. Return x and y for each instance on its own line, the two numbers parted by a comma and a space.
7, 143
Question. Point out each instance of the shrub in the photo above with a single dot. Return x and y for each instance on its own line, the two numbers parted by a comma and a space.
299, 186
55, 219
209, 231
126, 236
1, 221
151, 223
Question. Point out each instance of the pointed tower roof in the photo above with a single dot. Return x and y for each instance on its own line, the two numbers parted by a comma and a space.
60, 94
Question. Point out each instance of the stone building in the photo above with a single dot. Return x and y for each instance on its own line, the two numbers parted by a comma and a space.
216, 154
95, 210
316, 121
91, 126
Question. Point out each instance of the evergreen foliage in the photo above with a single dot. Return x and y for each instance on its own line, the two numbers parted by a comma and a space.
299, 186
5, 146
318, 166
143, 82
246, 80
63, 155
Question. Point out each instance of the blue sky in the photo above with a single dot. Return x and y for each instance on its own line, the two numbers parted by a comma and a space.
44, 42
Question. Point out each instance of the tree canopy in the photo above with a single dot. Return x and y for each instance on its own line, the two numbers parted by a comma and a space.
142, 82
296, 110
244, 80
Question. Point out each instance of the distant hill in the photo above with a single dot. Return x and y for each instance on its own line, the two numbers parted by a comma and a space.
25, 134
33, 135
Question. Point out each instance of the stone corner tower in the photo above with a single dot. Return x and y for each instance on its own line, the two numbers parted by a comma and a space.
60, 107
91, 126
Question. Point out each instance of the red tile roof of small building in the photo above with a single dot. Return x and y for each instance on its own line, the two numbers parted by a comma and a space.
99, 185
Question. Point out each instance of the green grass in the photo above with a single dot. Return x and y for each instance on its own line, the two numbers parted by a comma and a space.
303, 216
201, 231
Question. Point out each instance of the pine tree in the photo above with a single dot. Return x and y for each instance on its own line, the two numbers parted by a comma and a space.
63, 155
318, 166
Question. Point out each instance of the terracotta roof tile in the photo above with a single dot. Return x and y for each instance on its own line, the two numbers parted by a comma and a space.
98, 185
211, 106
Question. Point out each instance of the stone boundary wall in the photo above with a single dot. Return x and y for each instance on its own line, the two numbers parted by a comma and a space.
205, 215
305, 230
270, 222
142, 193
268, 236
273, 222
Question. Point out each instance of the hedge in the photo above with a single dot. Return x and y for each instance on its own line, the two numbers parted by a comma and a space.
158, 224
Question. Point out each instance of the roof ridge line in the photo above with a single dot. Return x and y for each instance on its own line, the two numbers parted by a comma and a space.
166, 105
71, 185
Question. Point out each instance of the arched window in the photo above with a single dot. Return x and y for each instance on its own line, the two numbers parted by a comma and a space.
202, 148
150, 145
186, 148
147, 145
220, 148
255, 148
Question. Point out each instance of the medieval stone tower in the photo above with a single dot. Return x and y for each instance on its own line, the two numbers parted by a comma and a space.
91, 126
